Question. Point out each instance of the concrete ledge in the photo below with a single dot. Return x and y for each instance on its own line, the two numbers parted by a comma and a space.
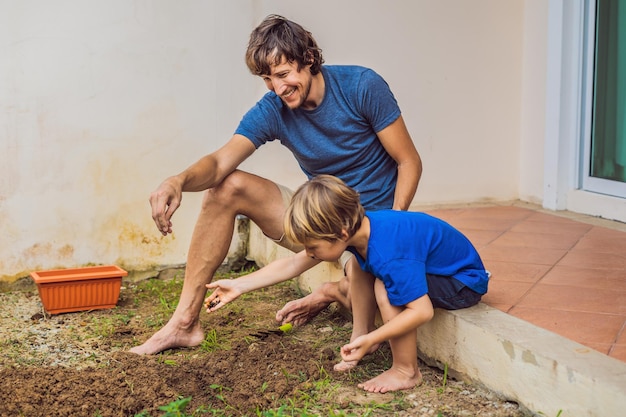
540, 370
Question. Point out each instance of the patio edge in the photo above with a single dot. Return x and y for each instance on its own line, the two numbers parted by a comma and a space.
544, 372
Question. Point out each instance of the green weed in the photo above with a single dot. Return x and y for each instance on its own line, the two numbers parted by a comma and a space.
176, 408
211, 343
444, 383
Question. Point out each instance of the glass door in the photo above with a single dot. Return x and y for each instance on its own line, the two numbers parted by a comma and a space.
604, 167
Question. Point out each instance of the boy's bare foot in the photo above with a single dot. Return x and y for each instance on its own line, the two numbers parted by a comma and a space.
169, 337
392, 380
345, 365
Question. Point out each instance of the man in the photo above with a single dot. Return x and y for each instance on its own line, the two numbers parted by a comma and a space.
339, 120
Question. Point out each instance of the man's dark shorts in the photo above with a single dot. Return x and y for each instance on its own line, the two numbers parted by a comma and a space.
449, 293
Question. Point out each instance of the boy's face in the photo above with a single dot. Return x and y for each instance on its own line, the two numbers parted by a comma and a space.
291, 85
325, 250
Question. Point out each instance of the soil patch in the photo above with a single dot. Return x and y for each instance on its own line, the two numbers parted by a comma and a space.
77, 364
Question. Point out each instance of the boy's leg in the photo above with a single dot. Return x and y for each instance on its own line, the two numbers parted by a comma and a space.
240, 193
363, 306
404, 372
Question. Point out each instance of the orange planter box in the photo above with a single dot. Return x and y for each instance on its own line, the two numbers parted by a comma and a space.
79, 289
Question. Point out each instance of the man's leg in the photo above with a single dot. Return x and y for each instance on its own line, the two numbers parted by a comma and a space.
302, 310
240, 193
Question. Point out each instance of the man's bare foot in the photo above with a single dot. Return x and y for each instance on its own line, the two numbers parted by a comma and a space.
302, 310
392, 380
169, 337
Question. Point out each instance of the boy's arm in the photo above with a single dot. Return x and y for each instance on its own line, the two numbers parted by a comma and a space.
415, 314
280, 270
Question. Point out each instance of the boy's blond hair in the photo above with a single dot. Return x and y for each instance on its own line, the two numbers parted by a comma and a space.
321, 209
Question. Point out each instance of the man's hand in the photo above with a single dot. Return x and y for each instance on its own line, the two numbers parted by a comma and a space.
164, 202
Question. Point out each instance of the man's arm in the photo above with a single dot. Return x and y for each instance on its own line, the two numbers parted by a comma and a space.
206, 173
397, 142
211, 169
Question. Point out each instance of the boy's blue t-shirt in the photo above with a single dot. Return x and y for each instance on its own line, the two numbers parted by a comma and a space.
339, 136
405, 246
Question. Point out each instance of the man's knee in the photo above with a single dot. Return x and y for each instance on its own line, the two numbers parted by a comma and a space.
227, 192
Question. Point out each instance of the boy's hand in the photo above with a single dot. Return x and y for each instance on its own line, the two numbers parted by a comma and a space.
355, 350
225, 291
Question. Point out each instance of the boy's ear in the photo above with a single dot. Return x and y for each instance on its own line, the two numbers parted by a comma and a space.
344, 235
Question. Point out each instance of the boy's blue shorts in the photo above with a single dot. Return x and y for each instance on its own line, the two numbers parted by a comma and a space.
450, 293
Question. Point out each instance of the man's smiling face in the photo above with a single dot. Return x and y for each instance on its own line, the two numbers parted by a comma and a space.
291, 85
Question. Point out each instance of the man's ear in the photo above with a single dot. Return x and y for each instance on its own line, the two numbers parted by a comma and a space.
310, 59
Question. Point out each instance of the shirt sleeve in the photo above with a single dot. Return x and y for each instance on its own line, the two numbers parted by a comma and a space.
260, 123
377, 102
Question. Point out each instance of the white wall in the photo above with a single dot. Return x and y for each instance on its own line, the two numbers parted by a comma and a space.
534, 64
100, 101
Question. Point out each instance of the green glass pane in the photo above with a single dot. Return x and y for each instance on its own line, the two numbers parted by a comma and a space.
608, 141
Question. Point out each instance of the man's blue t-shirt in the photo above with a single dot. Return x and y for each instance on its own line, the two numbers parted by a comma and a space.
405, 246
339, 136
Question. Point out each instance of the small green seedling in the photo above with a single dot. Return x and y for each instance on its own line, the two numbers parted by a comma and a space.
285, 327
262, 334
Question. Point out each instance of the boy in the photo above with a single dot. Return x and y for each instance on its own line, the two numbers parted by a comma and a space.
420, 263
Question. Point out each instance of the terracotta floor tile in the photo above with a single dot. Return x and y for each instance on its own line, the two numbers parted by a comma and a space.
606, 234
618, 352
513, 213
586, 278
507, 293
521, 272
577, 326
603, 240
561, 227
621, 337
444, 214
481, 238
521, 254
482, 223
544, 217
538, 240
594, 260
570, 298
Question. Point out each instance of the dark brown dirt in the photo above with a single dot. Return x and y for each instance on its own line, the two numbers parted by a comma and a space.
77, 364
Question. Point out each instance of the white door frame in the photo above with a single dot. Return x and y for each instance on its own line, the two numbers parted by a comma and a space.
567, 115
